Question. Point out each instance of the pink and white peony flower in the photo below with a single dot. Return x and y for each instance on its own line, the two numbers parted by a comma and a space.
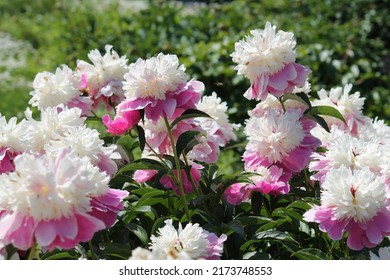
267, 58
56, 203
272, 180
191, 243
15, 138
103, 79
218, 125
349, 105
159, 86
354, 201
51, 90
280, 139
343, 149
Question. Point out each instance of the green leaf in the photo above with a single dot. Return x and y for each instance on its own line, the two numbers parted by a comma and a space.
275, 235
300, 97
327, 111
234, 226
190, 114
256, 256
300, 205
139, 232
319, 120
310, 254
141, 138
187, 141
252, 220
142, 164
115, 250
59, 255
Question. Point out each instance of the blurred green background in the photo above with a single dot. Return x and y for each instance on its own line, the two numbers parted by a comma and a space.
341, 41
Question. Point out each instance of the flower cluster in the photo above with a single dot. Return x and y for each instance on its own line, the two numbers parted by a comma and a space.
353, 174
190, 243
62, 181
63, 198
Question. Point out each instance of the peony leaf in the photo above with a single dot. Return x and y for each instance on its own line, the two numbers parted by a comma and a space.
189, 114
320, 120
310, 254
187, 141
327, 111
139, 232
142, 164
141, 138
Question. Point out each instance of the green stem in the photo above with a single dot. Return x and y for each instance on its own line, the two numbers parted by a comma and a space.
281, 102
93, 254
157, 155
178, 169
34, 252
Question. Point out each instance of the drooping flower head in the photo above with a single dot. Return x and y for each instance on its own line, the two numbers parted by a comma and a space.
191, 243
272, 180
103, 79
267, 58
354, 201
50, 201
159, 86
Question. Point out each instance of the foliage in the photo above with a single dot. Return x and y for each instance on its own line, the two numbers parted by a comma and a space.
341, 41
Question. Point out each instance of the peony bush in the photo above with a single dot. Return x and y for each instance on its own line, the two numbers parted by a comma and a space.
119, 160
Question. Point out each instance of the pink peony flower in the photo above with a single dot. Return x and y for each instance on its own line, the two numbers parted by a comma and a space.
123, 121
55, 202
267, 58
272, 180
7, 160
353, 201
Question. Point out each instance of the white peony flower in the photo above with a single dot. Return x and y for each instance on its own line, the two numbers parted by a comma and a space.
219, 122
356, 194
14, 135
86, 143
264, 52
153, 77
54, 122
188, 243
53, 89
